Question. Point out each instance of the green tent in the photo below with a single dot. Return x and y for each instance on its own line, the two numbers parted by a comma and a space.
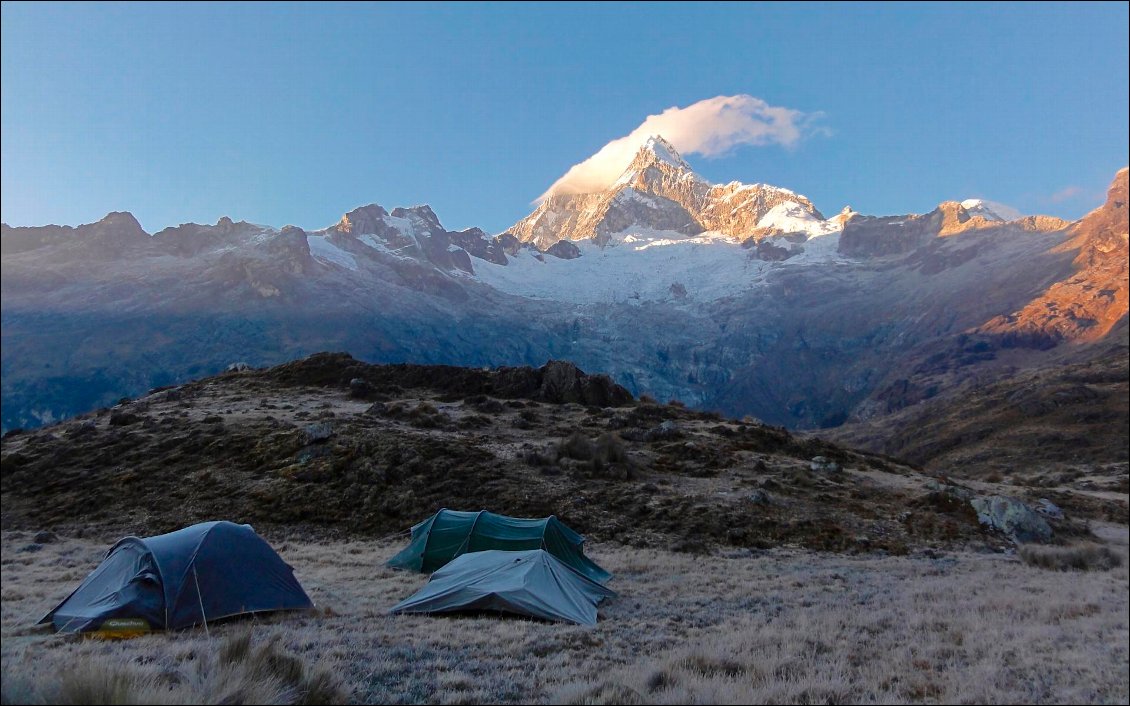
533, 583
449, 533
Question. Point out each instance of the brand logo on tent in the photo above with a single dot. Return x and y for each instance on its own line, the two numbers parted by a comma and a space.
121, 628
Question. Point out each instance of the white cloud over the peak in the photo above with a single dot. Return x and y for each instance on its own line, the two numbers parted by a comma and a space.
709, 127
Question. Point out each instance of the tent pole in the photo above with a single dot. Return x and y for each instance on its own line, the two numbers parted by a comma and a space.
200, 600
467, 540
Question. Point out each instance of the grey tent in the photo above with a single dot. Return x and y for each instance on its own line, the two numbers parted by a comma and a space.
532, 583
204, 572
449, 533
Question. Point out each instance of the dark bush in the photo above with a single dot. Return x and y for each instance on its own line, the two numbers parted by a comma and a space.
576, 446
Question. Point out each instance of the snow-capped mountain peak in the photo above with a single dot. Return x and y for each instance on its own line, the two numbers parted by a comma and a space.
991, 210
659, 149
658, 191
361, 220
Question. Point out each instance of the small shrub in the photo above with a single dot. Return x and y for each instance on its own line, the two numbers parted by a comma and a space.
1079, 557
426, 416
535, 457
490, 406
474, 421
712, 666
661, 679
576, 446
609, 449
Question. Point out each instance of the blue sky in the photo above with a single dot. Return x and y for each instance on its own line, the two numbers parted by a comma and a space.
296, 113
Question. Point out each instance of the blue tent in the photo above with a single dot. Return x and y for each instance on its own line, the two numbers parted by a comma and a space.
533, 583
197, 574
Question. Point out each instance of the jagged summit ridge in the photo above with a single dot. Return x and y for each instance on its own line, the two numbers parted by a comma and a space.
658, 191
658, 149
991, 210
641, 306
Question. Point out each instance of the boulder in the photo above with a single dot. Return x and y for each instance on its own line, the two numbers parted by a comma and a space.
119, 418
957, 491
564, 250
321, 431
822, 464
359, 388
760, 497
664, 432
1012, 518
84, 429
1049, 509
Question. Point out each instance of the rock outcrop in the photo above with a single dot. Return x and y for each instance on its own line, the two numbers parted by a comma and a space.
1087, 304
1012, 518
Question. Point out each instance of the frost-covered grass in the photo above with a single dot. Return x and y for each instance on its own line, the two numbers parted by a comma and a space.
785, 626
235, 670
1084, 556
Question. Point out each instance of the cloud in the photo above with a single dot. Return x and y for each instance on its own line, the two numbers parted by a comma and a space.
1066, 194
711, 127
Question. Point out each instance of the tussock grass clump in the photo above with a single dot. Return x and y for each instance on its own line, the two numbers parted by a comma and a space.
606, 452
1078, 557
527, 419
711, 665
607, 692
490, 406
474, 421
425, 416
576, 446
610, 449
535, 457
239, 672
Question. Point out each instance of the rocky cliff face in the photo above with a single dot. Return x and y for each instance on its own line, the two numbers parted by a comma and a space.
883, 236
117, 235
1088, 303
737, 209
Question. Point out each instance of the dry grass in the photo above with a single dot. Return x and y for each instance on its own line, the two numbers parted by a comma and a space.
783, 626
239, 671
1086, 556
